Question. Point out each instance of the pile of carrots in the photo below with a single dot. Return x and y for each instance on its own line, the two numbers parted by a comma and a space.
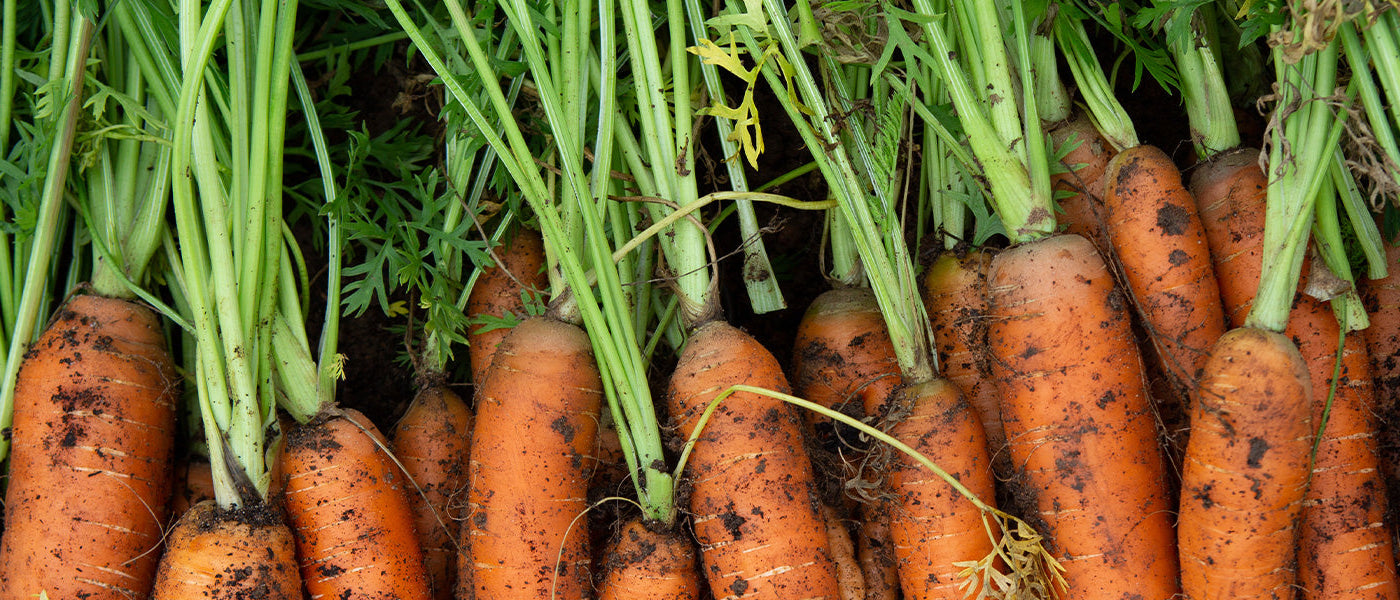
1096, 375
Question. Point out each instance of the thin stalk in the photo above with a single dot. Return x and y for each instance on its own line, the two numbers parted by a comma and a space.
765, 296
79, 41
8, 27
1105, 110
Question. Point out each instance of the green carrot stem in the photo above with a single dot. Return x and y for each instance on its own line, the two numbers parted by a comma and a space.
1213, 128
1107, 113
1311, 132
78, 41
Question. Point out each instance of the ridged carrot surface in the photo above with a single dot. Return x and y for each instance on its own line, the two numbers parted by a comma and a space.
533, 445
432, 442
1345, 546
754, 505
646, 565
348, 508
1245, 472
214, 554
932, 525
90, 465
955, 295
497, 293
842, 356
1078, 419
1160, 244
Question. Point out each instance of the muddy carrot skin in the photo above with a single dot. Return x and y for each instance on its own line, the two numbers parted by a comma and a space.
1078, 419
647, 565
754, 504
432, 442
1382, 297
1245, 472
842, 356
90, 467
497, 294
1344, 548
932, 525
1159, 242
229, 555
1229, 192
533, 444
955, 295
1078, 191
1344, 536
875, 550
348, 507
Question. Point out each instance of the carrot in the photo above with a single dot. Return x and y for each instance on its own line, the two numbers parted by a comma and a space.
644, 564
1078, 420
955, 294
532, 447
229, 554
754, 504
849, 575
497, 293
932, 528
350, 513
1344, 536
1157, 239
193, 484
1382, 299
842, 357
875, 550
432, 442
1081, 189
1345, 548
90, 470
1383, 336
1245, 472
1229, 192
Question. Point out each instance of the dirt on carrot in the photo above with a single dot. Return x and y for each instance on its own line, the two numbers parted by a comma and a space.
239, 554
91, 461
754, 504
432, 441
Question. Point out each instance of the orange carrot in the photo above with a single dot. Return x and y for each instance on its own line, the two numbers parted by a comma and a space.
1078, 420
90, 468
933, 526
193, 484
1344, 535
497, 294
533, 445
1345, 548
1383, 336
1229, 192
1157, 239
646, 565
229, 554
842, 356
849, 575
754, 503
1245, 471
955, 295
875, 549
350, 513
1081, 189
1382, 299
432, 442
